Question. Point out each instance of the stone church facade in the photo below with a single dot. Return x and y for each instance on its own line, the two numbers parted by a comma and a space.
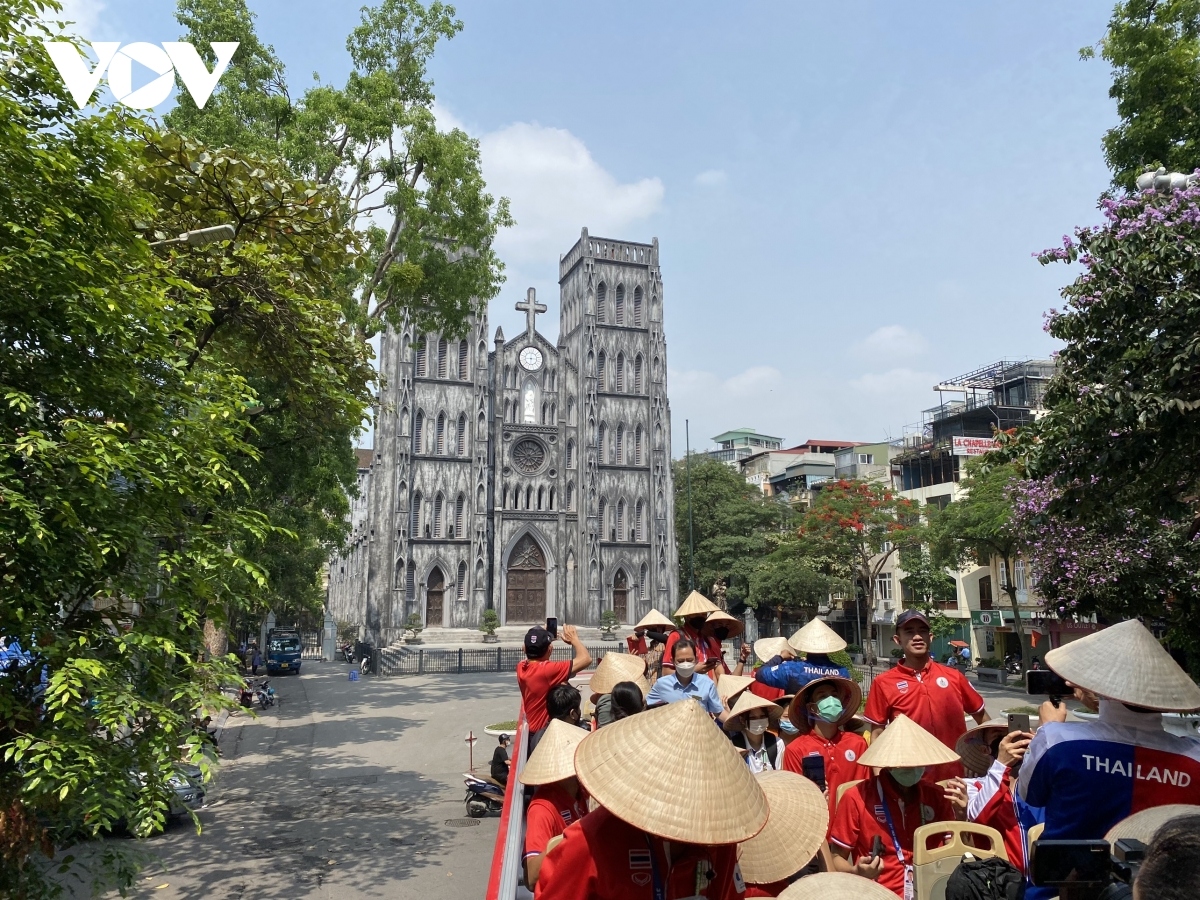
531, 476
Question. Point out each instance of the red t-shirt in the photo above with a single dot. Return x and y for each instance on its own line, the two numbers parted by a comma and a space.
860, 817
774, 889
603, 858
765, 690
936, 698
841, 759
536, 678
550, 812
705, 647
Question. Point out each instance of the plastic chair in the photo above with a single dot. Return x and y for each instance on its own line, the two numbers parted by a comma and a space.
842, 788
1031, 837
933, 865
550, 845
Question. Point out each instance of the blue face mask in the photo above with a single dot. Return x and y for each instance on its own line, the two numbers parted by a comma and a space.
786, 726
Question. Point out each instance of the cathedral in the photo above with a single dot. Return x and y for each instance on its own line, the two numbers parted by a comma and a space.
532, 477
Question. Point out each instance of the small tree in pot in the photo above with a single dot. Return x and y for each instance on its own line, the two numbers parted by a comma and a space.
488, 623
608, 625
416, 626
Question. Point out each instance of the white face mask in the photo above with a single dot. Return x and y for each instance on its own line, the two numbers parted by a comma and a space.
758, 726
685, 669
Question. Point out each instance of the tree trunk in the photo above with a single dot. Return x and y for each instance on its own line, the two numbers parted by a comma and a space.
869, 591
1018, 626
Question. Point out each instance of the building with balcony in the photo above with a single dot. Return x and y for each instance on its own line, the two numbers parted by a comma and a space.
869, 462
735, 446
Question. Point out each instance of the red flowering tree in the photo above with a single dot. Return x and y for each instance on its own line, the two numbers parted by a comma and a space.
853, 530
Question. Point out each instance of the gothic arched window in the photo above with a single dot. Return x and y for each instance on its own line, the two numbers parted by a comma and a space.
619, 530
639, 522
441, 361
637, 307
437, 516
440, 440
602, 515
570, 454
460, 436
619, 446
601, 299
462, 362
602, 444
601, 373
570, 495
619, 381
419, 433
619, 305
462, 581
414, 515
637, 446
459, 507
638, 365
420, 365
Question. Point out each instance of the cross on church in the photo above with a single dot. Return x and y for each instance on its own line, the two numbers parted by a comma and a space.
531, 308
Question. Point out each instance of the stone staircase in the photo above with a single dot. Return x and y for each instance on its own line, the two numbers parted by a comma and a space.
509, 635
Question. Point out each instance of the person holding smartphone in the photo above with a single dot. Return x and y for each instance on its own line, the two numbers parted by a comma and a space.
537, 675
820, 712
694, 611
876, 820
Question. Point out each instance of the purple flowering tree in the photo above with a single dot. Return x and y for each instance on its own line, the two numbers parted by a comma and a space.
1111, 510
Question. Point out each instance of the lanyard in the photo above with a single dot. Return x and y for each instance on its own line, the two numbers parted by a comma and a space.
887, 814
660, 889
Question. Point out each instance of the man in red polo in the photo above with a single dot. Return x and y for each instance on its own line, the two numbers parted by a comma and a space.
537, 675
934, 696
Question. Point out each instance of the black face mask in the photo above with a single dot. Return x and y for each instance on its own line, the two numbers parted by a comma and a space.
721, 633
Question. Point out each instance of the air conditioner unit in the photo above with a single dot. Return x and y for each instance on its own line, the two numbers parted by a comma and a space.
887, 604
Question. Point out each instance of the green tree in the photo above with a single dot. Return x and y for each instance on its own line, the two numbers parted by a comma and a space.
927, 586
1154, 49
1111, 508
732, 521
376, 141
785, 579
852, 530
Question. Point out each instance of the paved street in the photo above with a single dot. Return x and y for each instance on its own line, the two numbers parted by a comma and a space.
343, 788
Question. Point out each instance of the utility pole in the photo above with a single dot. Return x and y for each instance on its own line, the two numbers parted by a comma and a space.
687, 443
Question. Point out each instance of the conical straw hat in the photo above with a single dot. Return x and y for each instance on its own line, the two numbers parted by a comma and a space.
657, 769
975, 746
794, 831
729, 686
817, 637
696, 604
836, 886
655, 620
1142, 825
747, 701
716, 619
765, 648
615, 667
554, 757
848, 692
1124, 662
904, 743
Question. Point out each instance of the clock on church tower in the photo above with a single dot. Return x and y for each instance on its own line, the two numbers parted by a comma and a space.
531, 358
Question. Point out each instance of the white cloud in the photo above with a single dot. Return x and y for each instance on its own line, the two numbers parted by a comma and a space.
891, 344
557, 187
712, 178
896, 383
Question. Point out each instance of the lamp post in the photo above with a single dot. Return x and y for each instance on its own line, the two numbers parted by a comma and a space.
199, 238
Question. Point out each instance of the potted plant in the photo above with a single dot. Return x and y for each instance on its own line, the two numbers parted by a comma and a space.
856, 654
608, 625
414, 625
991, 670
488, 623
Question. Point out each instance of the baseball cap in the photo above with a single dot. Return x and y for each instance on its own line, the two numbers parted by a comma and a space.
537, 639
908, 615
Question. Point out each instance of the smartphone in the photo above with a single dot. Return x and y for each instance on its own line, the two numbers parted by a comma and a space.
877, 847
1046, 683
1018, 722
552, 627
814, 769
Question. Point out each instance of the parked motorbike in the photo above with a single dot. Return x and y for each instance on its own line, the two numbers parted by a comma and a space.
484, 795
1012, 664
348, 652
265, 694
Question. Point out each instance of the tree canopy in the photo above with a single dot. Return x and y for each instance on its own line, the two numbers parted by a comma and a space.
1154, 49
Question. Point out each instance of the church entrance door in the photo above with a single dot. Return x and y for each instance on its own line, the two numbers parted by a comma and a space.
435, 594
621, 597
525, 594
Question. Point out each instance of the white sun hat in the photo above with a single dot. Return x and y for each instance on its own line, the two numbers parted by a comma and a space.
905, 744
655, 770
794, 831
1125, 662
765, 648
696, 604
553, 759
817, 637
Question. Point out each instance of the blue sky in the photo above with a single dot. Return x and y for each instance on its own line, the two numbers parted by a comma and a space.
846, 203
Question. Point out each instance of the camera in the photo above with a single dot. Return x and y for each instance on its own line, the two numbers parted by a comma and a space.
1087, 870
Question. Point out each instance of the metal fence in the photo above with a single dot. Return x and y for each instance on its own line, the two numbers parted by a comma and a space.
434, 661
310, 645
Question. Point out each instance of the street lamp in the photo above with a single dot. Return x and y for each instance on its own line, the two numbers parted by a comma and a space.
200, 237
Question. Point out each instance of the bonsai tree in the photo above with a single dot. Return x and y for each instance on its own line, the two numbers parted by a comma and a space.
489, 622
416, 626
609, 623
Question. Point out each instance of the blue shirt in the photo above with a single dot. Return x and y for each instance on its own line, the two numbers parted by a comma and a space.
792, 675
701, 688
